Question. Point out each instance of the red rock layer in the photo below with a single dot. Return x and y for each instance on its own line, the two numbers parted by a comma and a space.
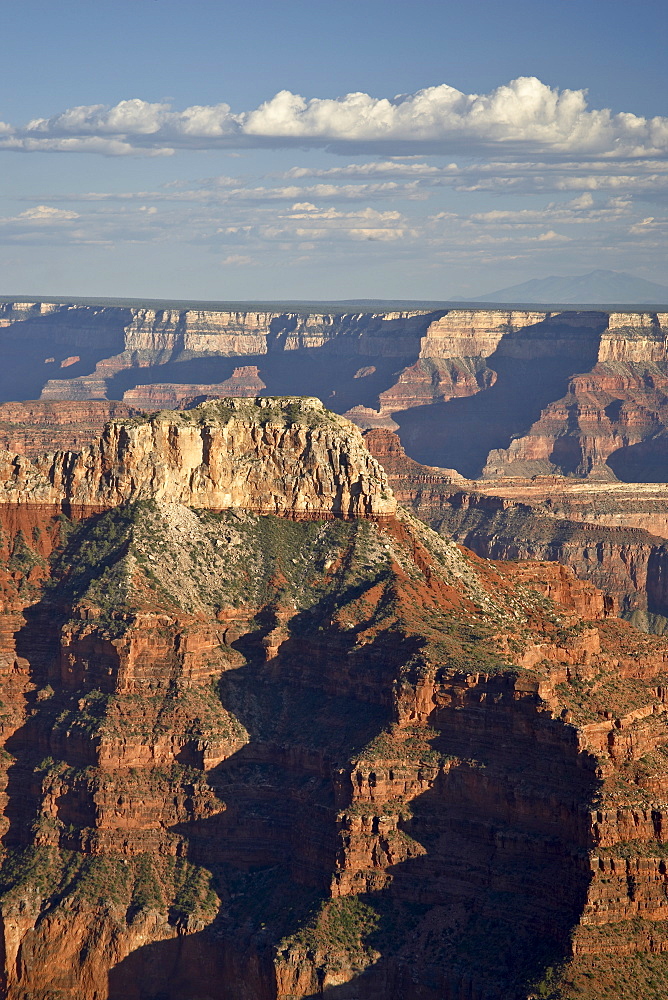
367, 749
37, 426
610, 422
592, 530
600, 424
244, 382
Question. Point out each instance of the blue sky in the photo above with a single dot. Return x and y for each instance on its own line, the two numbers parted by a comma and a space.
158, 148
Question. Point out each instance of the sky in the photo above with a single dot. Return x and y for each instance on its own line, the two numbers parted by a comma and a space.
329, 150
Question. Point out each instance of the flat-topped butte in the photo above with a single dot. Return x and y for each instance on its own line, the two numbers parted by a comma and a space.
308, 411
277, 455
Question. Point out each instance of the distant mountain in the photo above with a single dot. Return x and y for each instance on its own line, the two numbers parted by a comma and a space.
597, 287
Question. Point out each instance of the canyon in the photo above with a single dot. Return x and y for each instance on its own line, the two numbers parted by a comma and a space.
489, 392
268, 731
499, 396
503, 397
293, 742
611, 534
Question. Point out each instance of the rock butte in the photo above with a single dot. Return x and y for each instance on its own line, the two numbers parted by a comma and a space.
273, 456
253, 757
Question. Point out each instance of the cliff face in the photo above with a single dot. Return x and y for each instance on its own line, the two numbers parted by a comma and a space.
611, 418
273, 456
609, 534
628, 564
480, 333
35, 427
253, 757
499, 392
231, 333
609, 424
182, 766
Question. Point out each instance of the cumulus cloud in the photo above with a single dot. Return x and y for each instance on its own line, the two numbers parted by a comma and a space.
525, 111
522, 117
43, 214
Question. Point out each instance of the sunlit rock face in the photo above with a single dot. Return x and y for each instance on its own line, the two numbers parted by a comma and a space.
288, 456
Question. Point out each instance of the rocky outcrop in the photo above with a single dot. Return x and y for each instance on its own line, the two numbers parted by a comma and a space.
255, 758
635, 337
628, 564
480, 333
244, 382
232, 333
286, 456
608, 425
35, 427
433, 380
611, 535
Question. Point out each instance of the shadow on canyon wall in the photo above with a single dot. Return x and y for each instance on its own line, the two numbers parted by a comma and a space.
488, 903
460, 433
320, 372
82, 334
335, 372
645, 462
496, 872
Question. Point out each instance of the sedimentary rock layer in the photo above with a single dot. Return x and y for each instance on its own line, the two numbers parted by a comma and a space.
271, 455
257, 758
611, 534
35, 427
485, 391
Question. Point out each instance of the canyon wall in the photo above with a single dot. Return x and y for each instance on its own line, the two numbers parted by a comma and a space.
252, 757
614, 536
38, 426
488, 392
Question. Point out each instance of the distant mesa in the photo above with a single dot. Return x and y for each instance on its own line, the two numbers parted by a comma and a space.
488, 390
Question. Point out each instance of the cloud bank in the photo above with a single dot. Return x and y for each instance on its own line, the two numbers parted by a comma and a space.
523, 117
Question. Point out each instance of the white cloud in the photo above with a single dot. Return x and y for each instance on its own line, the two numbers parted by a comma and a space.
384, 235
646, 177
237, 260
309, 211
92, 144
385, 168
523, 117
212, 192
580, 210
44, 213
551, 237
649, 226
